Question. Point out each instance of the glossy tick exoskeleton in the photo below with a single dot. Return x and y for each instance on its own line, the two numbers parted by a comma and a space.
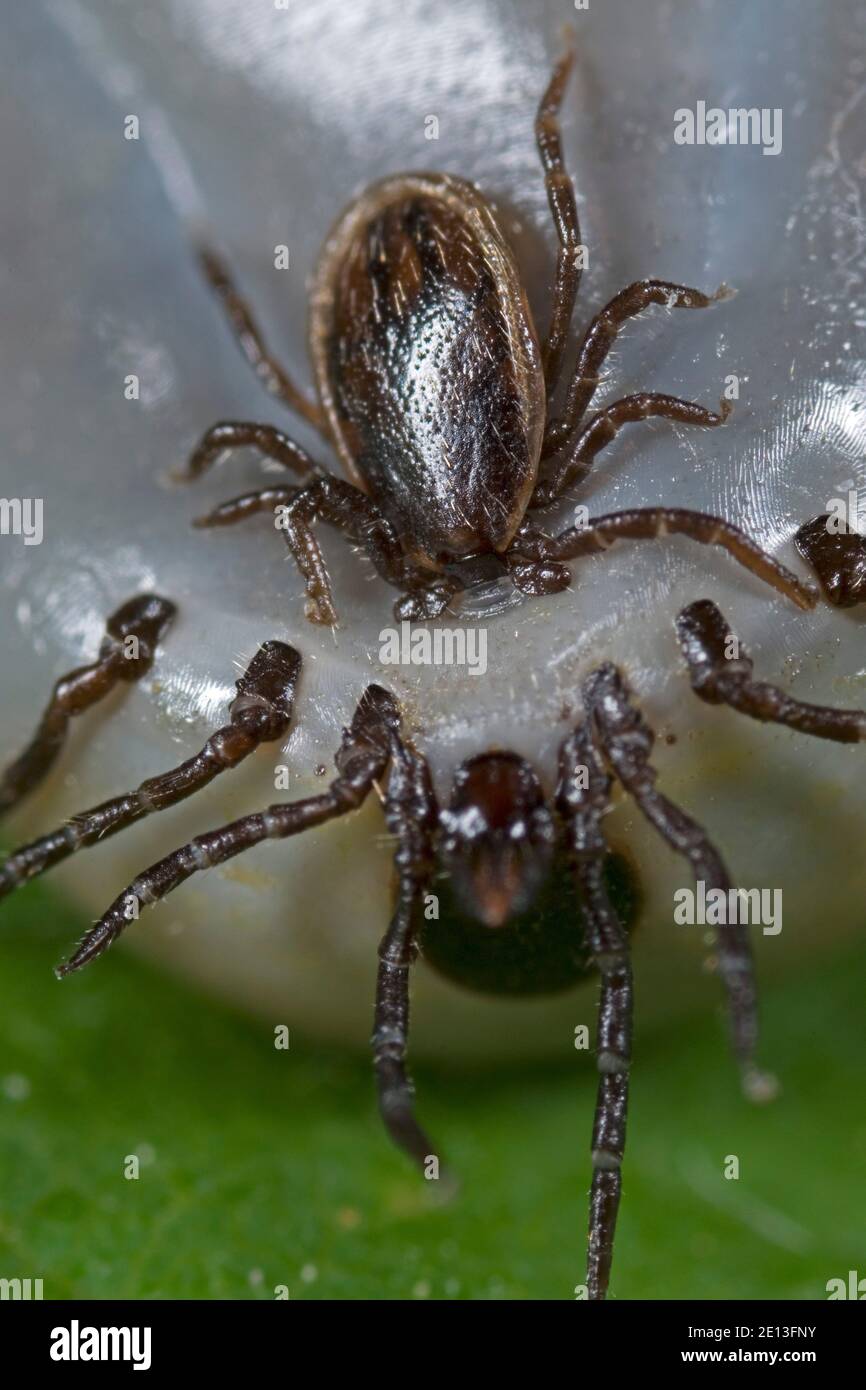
435, 394
437, 398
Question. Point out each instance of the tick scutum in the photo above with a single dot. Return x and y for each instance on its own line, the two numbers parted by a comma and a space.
428, 365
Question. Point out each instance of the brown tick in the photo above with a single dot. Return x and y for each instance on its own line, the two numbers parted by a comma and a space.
436, 396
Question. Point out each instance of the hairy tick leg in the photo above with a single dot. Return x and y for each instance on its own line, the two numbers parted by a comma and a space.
721, 674
240, 317
260, 712
126, 654
654, 523
626, 741
263, 500
229, 435
563, 210
600, 338
410, 814
344, 506
583, 808
605, 426
361, 760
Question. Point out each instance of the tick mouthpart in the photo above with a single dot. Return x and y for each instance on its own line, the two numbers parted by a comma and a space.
497, 880
502, 884
498, 837
487, 587
481, 567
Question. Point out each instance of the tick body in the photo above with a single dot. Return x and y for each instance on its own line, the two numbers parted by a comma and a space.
428, 366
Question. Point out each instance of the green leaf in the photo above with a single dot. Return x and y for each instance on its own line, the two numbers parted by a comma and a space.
261, 1167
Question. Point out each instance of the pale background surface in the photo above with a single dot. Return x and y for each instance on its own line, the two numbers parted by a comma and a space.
261, 123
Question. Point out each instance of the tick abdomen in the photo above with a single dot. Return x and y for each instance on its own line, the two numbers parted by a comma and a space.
428, 365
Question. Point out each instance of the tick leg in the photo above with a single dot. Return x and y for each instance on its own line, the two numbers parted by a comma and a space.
242, 434
342, 505
598, 432
260, 713
652, 523
269, 441
600, 338
563, 210
627, 740
361, 761
264, 499
126, 654
582, 809
721, 674
252, 345
538, 578
410, 813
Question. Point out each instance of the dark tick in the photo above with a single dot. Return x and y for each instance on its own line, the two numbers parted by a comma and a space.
506, 851
438, 400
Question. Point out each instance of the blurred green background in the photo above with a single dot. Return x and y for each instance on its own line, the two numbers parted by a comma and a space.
262, 1167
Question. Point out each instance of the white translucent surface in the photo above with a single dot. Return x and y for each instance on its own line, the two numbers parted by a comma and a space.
259, 124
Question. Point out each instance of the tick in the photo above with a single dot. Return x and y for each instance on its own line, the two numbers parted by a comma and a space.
501, 845
437, 399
